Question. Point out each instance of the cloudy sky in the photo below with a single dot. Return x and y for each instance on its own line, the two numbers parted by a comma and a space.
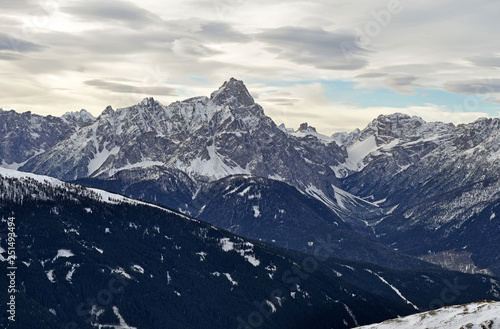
336, 64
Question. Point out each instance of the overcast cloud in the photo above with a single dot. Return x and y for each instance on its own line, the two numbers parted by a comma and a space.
335, 64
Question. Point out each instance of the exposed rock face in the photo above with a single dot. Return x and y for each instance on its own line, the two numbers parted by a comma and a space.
304, 127
206, 138
418, 186
24, 135
437, 183
78, 119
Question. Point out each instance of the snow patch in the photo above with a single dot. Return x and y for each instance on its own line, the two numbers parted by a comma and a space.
226, 244
245, 249
100, 158
202, 255
230, 279
122, 272
351, 314
98, 250
245, 191
69, 275
123, 324
256, 211
50, 276
63, 253
137, 268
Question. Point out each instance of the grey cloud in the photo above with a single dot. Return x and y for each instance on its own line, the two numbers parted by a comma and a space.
371, 75
404, 80
17, 45
8, 57
220, 32
281, 101
167, 38
473, 87
192, 47
485, 61
402, 84
317, 47
129, 89
117, 11
20, 6
491, 100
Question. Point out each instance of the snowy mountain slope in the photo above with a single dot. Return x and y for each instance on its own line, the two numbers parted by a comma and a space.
411, 184
411, 137
275, 212
206, 139
432, 180
24, 135
89, 258
478, 315
345, 137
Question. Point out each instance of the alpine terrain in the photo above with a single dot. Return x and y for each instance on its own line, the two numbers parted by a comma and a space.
87, 258
429, 190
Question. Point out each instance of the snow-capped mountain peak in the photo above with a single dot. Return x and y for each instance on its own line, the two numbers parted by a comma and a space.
342, 138
233, 93
80, 118
401, 126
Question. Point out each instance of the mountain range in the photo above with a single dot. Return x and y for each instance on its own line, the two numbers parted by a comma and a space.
429, 190
88, 258
206, 206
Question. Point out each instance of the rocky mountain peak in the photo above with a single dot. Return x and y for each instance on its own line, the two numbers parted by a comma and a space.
108, 110
304, 128
402, 126
233, 93
148, 101
78, 118
342, 138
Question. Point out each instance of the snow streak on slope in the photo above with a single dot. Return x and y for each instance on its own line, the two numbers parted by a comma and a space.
393, 288
469, 316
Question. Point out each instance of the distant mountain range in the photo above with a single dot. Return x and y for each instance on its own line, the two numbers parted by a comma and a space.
429, 190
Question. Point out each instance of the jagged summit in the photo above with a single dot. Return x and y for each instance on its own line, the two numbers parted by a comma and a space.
304, 128
283, 128
232, 92
80, 118
342, 138
82, 114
